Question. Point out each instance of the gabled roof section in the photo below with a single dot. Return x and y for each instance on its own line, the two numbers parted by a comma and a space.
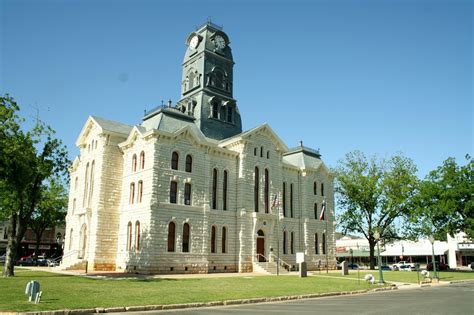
265, 128
104, 125
137, 131
306, 158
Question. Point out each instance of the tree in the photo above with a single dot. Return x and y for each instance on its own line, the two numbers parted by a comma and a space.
27, 160
50, 211
444, 203
372, 194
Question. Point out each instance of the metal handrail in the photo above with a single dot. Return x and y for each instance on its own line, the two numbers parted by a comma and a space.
71, 253
258, 255
283, 263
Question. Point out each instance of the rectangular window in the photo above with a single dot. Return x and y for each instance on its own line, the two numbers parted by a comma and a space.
284, 199
229, 114
291, 200
214, 189
173, 191
224, 192
292, 243
187, 194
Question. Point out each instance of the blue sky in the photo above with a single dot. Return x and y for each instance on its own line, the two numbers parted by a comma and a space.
379, 76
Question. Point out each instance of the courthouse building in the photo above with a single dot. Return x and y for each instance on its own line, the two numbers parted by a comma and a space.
187, 191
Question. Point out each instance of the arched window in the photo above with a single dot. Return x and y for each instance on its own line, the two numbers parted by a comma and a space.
187, 194
266, 191
291, 200
284, 243
185, 247
173, 191
229, 114
214, 189
255, 151
189, 163
140, 191
171, 236
316, 244
142, 160
261, 151
215, 110
256, 189
134, 163
224, 191
137, 235
132, 193
129, 236
284, 199
76, 182
324, 243
213, 239
292, 242
174, 160
315, 188
70, 239
224, 240
322, 189
73, 205
86, 186
91, 185
316, 211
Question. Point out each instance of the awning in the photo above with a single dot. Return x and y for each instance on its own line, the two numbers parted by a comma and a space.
420, 248
355, 253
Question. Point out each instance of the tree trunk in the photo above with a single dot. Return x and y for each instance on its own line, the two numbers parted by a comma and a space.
372, 254
15, 230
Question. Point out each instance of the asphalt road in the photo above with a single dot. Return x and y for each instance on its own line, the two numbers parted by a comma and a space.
447, 299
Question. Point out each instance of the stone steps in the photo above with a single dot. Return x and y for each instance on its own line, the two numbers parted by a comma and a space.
269, 268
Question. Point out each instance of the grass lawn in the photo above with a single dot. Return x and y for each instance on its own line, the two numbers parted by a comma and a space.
406, 276
72, 292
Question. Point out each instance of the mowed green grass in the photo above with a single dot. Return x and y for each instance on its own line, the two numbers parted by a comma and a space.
74, 292
406, 276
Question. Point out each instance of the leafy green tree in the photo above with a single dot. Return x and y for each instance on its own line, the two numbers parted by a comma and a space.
50, 211
27, 160
372, 194
444, 202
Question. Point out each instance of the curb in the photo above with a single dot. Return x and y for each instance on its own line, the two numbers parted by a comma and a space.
204, 304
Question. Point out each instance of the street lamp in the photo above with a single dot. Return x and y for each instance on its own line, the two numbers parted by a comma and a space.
432, 240
377, 238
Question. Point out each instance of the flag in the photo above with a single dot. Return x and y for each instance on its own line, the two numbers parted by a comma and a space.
276, 201
323, 210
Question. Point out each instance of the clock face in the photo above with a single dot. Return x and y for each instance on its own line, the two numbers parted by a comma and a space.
219, 41
194, 42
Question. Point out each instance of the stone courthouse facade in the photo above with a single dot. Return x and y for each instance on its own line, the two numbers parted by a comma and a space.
186, 191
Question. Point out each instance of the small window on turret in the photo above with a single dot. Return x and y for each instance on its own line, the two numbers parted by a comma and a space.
229, 114
215, 110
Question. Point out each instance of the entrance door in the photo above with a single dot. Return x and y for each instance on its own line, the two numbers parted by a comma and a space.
261, 246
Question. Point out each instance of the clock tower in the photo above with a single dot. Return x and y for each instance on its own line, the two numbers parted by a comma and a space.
207, 83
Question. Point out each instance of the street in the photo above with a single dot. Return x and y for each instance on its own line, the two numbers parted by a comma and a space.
447, 299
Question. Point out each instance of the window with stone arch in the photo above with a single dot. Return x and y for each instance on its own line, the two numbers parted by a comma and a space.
292, 242
76, 182
214, 188
315, 188
187, 194
261, 151
291, 200
322, 189
224, 190
129, 236
284, 243
140, 191
171, 236
134, 163
137, 235
224, 240
316, 244
186, 237
315, 210
131, 199
255, 151
267, 191
324, 243
189, 163
73, 205
86, 185
174, 160
173, 191
142, 160
70, 239
284, 199
91, 185
213, 239
256, 189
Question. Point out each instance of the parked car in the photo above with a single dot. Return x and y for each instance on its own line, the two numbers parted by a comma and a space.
472, 265
353, 266
338, 265
26, 261
439, 266
399, 264
406, 268
385, 268
41, 261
